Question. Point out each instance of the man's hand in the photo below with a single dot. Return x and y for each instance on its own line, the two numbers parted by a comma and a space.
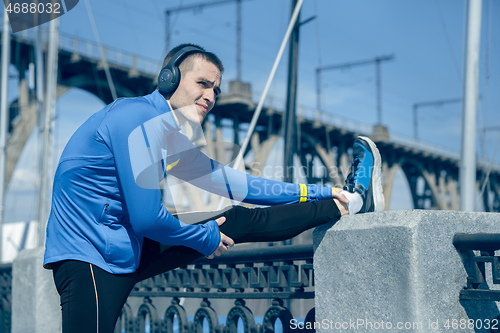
340, 197
225, 241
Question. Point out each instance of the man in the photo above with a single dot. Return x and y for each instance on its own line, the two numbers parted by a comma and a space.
107, 219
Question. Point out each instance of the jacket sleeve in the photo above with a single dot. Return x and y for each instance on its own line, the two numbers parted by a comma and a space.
192, 166
148, 216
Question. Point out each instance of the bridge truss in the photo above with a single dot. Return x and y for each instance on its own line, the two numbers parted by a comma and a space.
323, 139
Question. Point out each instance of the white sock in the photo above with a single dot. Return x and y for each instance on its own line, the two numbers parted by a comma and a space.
355, 202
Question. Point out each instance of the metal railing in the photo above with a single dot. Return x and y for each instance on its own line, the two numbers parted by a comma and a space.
5, 297
486, 245
313, 115
277, 274
81, 47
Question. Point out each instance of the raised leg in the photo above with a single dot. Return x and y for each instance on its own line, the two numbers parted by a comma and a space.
242, 224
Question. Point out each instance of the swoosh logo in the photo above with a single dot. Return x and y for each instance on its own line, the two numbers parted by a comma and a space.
171, 165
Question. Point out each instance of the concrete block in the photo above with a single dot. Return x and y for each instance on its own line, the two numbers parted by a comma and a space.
35, 301
375, 271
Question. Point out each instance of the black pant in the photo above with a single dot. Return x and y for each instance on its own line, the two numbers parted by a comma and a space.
92, 299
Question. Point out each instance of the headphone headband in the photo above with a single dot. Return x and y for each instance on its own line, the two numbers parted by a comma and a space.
181, 53
170, 75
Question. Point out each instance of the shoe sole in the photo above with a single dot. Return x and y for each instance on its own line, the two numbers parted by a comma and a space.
376, 183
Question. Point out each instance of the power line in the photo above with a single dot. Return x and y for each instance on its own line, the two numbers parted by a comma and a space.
448, 40
101, 50
375, 61
200, 6
416, 106
258, 110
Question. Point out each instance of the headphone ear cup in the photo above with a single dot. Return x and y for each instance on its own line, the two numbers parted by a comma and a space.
176, 78
165, 81
170, 75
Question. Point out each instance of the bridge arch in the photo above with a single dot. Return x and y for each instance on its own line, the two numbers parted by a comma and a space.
326, 136
431, 189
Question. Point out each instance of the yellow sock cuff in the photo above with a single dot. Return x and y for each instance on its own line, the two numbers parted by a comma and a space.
303, 193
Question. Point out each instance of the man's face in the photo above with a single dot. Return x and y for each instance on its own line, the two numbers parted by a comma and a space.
197, 91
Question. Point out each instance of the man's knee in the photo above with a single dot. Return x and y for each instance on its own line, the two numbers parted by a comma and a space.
236, 219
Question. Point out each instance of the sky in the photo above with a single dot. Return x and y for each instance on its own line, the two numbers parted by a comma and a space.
426, 39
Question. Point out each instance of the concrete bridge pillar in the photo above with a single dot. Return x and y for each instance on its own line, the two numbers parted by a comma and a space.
343, 161
35, 301
24, 124
376, 271
261, 152
389, 168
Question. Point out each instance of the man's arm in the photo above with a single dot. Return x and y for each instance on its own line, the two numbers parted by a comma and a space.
194, 167
148, 216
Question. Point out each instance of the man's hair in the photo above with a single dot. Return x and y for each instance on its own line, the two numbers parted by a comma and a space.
187, 61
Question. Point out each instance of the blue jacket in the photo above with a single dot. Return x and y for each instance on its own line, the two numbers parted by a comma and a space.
106, 196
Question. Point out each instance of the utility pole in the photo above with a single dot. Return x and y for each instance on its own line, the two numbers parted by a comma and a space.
375, 61
200, 6
290, 121
3, 119
39, 86
379, 93
39, 89
46, 130
416, 106
258, 109
470, 96
238, 40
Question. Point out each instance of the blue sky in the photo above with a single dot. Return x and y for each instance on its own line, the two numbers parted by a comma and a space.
426, 38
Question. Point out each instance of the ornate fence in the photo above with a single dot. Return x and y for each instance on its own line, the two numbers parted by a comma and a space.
476, 251
5, 297
486, 245
279, 274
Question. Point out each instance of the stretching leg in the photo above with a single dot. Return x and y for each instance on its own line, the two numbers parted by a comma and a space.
270, 224
242, 224
91, 298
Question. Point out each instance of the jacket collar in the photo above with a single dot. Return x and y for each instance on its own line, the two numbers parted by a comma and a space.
163, 106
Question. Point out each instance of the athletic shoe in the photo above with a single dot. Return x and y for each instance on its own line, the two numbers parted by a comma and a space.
365, 175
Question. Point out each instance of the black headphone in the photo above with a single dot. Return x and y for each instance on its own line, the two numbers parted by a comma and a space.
170, 75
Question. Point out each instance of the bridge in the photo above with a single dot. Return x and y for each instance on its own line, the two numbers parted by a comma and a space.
323, 139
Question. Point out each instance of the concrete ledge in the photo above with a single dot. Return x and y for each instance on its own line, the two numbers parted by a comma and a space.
396, 267
35, 301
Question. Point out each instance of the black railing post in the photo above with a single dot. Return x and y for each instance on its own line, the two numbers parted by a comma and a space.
279, 274
487, 244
